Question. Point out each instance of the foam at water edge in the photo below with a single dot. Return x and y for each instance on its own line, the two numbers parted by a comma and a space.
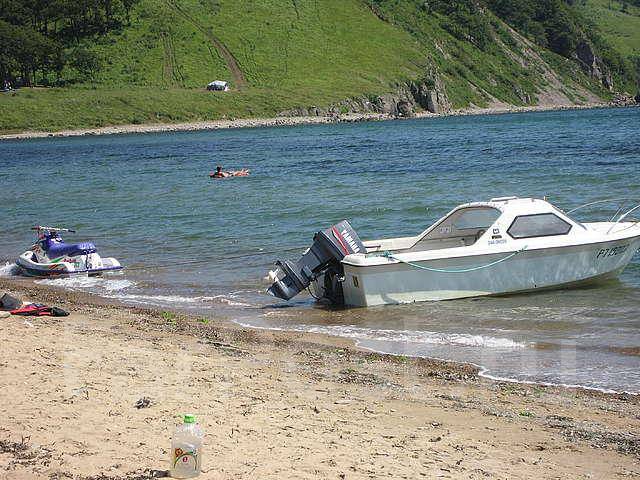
407, 336
9, 270
85, 282
482, 370
169, 299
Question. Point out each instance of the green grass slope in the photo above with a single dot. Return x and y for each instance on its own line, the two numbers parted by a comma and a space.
509, 69
618, 23
293, 53
283, 54
333, 44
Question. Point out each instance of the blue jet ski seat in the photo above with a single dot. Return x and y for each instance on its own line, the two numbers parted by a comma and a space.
57, 248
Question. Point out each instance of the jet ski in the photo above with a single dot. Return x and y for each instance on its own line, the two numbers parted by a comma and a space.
50, 256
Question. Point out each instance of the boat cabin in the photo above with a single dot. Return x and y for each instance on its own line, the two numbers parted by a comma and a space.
485, 223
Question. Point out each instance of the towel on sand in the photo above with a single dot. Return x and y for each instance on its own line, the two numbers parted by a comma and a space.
40, 310
10, 305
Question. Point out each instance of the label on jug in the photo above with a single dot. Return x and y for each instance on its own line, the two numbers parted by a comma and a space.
186, 459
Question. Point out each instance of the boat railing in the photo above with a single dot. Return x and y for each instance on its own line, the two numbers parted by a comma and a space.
620, 207
623, 216
606, 200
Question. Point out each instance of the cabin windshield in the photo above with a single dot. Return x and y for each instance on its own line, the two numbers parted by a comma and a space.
460, 229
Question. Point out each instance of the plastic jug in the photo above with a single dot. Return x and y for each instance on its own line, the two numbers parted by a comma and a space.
186, 449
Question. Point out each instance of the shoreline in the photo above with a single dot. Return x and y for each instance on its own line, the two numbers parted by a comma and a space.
26, 286
480, 370
290, 121
276, 404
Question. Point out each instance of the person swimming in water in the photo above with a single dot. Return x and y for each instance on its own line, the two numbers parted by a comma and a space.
219, 173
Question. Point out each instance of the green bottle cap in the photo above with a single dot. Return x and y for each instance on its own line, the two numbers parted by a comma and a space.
189, 418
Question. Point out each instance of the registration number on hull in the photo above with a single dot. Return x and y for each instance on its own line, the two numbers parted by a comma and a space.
612, 252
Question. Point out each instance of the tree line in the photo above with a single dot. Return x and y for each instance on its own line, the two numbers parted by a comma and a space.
40, 38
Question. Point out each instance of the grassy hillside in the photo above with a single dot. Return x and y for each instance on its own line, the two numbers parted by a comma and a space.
333, 44
618, 22
505, 68
283, 54
294, 53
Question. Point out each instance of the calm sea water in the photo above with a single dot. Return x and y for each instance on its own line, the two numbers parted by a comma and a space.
203, 246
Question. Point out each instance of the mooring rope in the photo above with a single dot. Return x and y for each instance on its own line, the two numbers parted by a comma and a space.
390, 255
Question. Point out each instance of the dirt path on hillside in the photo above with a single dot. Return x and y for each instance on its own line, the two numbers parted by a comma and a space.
171, 71
231, 61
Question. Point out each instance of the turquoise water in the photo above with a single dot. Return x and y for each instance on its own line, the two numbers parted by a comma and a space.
203, 246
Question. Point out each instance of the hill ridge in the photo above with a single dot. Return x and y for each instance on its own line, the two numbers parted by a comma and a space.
151, 63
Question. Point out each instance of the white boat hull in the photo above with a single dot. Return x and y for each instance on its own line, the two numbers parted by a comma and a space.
544, 268
502, 246
91, 264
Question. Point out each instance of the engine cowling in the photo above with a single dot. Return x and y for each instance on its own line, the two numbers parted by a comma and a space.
329, 247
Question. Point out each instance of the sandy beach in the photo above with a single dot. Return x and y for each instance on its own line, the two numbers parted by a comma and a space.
277, 405
288, 121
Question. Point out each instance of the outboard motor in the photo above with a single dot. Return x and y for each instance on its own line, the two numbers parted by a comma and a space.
329, 247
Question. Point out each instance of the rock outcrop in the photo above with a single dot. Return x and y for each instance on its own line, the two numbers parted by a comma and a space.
593, 65
388, 103
623, 100
427, 94
405, 109
431, 93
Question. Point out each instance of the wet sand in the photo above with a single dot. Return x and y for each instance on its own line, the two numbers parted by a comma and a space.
277, 405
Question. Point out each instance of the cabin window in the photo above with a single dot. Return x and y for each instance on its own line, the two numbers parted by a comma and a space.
463, 227
474, 218
538, 225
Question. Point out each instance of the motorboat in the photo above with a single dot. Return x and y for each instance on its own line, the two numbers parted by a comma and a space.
501, 246
50, 256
